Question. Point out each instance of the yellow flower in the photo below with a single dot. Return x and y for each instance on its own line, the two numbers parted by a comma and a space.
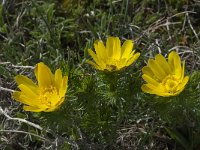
113, 57
164, 78
47, 95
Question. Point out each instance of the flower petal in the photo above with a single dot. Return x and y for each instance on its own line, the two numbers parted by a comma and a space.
32, 109
171, 60
97, 61
113, 47
150, 80
148, 88
177, 65
183, 70
94, 65
110, 46
155, 88
156, 69
20, 97
134, 58
27, 91
58, 79
64, 86
44, 75
20, 79
183, 83
160, 59
100, 49
126, 49
148, 71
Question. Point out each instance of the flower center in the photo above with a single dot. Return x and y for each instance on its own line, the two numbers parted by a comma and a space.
113, 64
111, 67
171, 83
48, 96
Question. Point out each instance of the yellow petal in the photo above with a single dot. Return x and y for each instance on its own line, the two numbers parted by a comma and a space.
60, 102
20, 79
95, 65
183, 83
117, 48
20, 97
160, 59
64, 86
54, 99
177, 65
100, 49
159, 88
171, 57
156, 69
150, 80
127, 48
55, 106
183, 70
44, 75
32, 109
171, 60
131, 54
58, 79
134, 58
147, 70
147, 88
123, 63
94, 56
110, 46
27, 91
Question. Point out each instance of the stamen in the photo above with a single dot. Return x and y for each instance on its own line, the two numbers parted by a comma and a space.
47, 94
171, 83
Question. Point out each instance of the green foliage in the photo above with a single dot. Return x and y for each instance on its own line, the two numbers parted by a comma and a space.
101, 103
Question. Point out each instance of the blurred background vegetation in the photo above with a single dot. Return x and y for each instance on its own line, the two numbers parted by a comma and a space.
95, 115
